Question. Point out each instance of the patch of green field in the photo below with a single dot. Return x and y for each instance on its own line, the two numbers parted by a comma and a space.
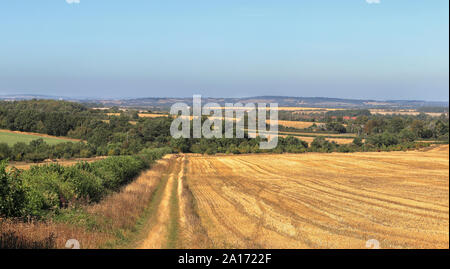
13, 138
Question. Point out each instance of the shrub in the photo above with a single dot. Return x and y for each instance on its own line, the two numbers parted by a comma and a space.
87, 185
358, 141
118, 170
46, 191
385, 139
5, 151
12, 193
320, 144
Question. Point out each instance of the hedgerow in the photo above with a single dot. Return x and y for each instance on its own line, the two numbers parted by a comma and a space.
47, 189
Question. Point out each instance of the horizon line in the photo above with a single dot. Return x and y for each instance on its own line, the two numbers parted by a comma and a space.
184, 97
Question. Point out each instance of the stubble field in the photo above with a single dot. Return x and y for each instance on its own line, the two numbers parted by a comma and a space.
318, 200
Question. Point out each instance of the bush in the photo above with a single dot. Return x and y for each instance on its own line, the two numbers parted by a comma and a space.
320, 144
87, 186
46, 191
35, 156
118, 170
5, 151
382, 140
357, 142
407, 135
12, 193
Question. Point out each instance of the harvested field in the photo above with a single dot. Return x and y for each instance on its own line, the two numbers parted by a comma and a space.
296, 124
147, 115
404, 112
310, 139
321, 134
319, 200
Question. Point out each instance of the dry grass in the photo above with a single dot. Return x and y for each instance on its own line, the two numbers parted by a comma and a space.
319, 200
46, 235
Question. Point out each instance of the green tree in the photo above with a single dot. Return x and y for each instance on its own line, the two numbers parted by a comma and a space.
5, 151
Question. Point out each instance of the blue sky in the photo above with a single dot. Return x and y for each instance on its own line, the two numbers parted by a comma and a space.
395, 49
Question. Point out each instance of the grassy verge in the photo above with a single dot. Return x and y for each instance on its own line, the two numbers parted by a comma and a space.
174, 217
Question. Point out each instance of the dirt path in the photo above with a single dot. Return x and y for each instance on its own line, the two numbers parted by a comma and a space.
158, 234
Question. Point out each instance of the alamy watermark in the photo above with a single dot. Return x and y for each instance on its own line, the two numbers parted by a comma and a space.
72, 244
213, 126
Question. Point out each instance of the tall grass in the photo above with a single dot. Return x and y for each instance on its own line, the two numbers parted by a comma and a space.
16, 234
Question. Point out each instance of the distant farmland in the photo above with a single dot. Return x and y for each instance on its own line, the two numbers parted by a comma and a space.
13, 137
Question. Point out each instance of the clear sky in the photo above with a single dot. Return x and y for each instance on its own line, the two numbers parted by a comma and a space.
394, 49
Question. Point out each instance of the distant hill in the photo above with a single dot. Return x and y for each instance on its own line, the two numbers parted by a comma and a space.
281, 100
164, 103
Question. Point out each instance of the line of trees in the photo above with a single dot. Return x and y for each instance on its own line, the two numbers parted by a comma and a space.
38, 150
414, 127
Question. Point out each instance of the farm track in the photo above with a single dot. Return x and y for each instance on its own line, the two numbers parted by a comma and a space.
172, 226
158, 235
324, 200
